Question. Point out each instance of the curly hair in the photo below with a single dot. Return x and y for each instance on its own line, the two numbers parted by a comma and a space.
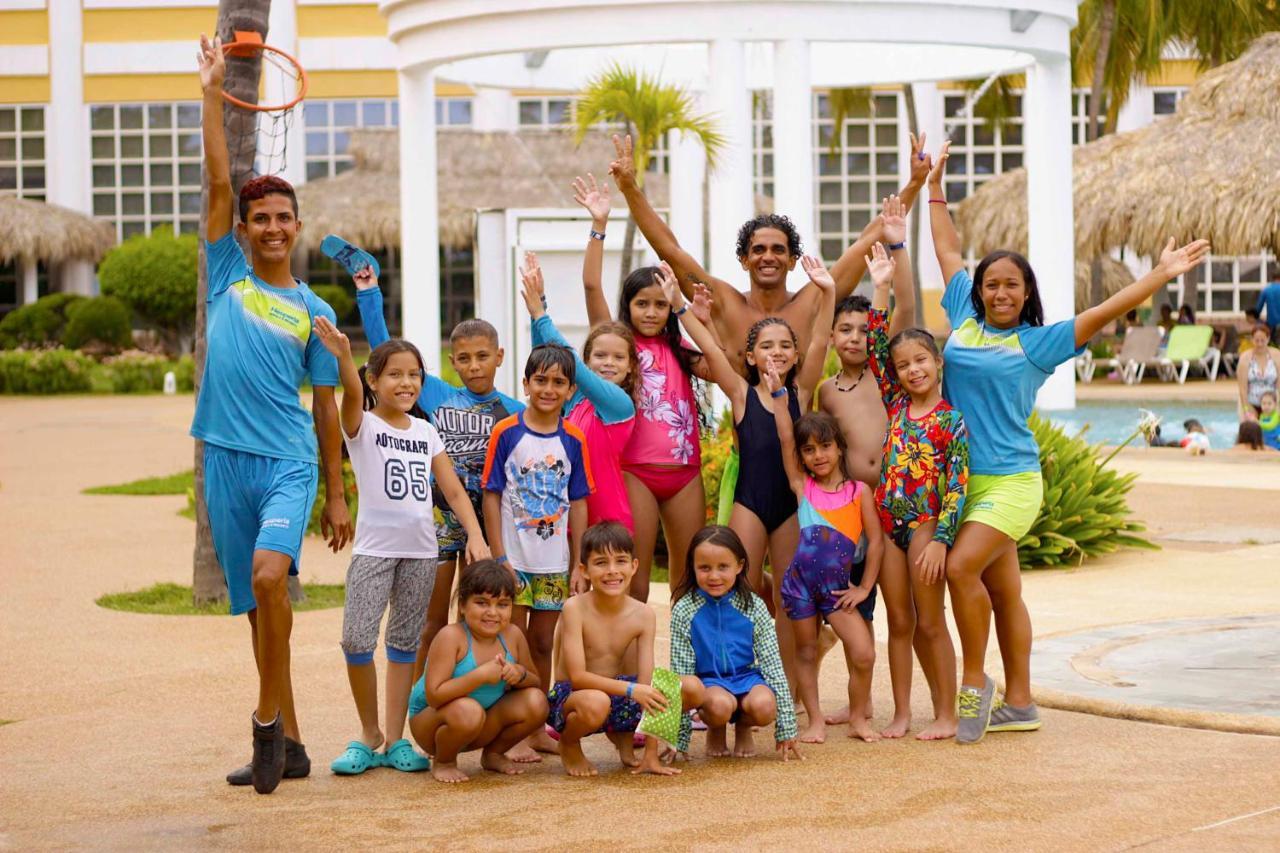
768, 220
753, 334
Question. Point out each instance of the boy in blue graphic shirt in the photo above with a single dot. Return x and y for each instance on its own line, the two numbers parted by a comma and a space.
464, 416
259, 444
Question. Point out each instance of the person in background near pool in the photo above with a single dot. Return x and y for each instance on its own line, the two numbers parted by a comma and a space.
480, 689
394, 454
1167, 320
919, 499
1257, 372
464, 416
725, 650
1269, 419
764, 509
1268, 308
259, 444
1249, 438
997, 358
603, 407
604, 630
1186, 315
1196, 440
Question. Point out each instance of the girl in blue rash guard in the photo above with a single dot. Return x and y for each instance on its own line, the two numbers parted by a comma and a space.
999, 354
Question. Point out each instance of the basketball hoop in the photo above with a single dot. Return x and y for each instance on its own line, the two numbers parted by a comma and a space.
263, 124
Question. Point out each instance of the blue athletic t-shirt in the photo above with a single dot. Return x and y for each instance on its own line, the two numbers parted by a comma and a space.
992, 375
261, 347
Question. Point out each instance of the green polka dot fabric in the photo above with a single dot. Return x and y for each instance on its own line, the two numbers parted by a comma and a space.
664, 726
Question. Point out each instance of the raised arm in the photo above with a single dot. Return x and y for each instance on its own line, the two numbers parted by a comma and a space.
883, 271
659, 234
1173, 263
894, 215
810, 373
217, 162
720, 370
595, 198
369, 301
352, 413
786, 431
946, 241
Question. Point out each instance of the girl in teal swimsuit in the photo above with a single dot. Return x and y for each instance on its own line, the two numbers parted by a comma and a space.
480, 689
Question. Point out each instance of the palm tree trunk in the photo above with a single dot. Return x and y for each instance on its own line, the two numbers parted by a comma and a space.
913, 124
207, 583
629, 235
1106, 28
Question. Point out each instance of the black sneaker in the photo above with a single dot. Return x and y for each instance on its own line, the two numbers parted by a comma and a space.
297, 765
268, 755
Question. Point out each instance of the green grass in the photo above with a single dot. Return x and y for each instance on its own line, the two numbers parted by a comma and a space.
174, 484
171, 599
659, 574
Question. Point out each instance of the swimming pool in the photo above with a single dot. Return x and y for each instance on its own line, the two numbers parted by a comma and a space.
1112, 423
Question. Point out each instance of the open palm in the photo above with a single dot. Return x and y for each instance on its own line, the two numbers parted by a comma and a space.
1176, 261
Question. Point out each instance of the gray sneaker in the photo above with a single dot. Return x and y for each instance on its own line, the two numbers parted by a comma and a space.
973, 707
1010, 718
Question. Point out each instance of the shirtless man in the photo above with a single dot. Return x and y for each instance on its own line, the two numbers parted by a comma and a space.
768, 249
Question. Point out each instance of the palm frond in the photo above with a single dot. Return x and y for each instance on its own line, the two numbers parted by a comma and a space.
855, 101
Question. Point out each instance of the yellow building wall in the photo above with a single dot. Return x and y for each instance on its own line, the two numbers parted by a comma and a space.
179, 24
24, 26
24, 90
338, 21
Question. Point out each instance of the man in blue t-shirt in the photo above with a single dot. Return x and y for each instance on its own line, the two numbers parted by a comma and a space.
1269, 307
260, 448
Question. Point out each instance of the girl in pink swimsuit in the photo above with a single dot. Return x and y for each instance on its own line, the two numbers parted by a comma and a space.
662, 462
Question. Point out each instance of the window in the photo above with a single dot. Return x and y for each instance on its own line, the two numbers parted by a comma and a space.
762, 142
145, 160
1080, 99
855, 177
1228, 285
11, 285
329, 124
544, 112
453, 112
457, 287
979, 152
1165, 101
22, 151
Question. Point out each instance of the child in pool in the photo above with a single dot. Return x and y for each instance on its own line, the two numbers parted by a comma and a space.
662, 462
764, 510
603, 406
1269, 419
601, 630
833, 574
480, 689
920, 498
393, 564
724, 647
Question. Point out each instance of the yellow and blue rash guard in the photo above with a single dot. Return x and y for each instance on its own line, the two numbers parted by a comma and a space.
992, 376
261, 347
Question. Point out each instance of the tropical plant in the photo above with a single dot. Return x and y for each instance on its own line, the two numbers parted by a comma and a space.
1113, 42
155, 275
1085, 512
337, 297
101, 322
648, 109
1220, 30
38, 324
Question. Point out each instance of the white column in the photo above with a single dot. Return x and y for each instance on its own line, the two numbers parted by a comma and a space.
1050, 215
930, 122
67, 130
730, 185
282, 32
688, 172
30, 284
793, 143
419, 219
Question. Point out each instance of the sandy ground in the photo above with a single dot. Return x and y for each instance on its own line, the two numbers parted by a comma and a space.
125, 724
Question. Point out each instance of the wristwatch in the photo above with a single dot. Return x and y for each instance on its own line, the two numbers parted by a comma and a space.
597, 235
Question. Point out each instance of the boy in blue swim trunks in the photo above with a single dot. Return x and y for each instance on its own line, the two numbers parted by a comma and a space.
260, 472
606, 635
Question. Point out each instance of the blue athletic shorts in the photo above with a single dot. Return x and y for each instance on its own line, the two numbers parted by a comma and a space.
255, 503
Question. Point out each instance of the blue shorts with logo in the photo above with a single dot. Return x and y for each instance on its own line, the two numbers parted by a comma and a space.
255, 503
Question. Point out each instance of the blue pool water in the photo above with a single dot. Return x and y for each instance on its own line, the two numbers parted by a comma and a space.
1112, 423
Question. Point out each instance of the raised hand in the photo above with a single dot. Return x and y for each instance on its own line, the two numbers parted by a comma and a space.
921, 163
365, 279
623, 168
772, 380
334, 341
932, 562
666, 279
701, 305
818, 274
1174, 262
940, 166
534, 292
594, 197
213, 65
881, 266
893, 213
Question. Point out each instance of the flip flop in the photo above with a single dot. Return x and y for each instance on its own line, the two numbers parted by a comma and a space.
357, 759
402, 756
351, 257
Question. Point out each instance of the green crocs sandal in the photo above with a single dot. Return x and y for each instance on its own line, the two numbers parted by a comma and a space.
402, 756
357, 759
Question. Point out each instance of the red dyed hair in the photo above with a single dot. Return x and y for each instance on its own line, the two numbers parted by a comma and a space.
261, 187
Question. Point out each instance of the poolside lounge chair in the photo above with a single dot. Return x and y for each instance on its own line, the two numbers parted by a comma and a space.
1085, 366
1189, 345
1138, 350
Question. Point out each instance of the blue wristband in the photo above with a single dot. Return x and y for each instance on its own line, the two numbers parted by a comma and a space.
502, 560
630, 686
683, 308
893, 247
781, 392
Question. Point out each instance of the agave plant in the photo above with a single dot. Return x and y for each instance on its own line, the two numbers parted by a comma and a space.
1085, 512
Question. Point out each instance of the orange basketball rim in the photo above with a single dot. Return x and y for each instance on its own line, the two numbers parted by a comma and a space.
247, 43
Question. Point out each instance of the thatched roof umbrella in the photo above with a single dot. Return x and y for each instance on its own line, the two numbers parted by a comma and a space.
1211, 170
477, 170
39, 231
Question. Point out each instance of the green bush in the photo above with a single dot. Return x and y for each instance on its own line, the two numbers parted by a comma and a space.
155, 275
1085, 512
185, 370
54, 371
136, 372
39, 324
103, 321
339, 300
715, 452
